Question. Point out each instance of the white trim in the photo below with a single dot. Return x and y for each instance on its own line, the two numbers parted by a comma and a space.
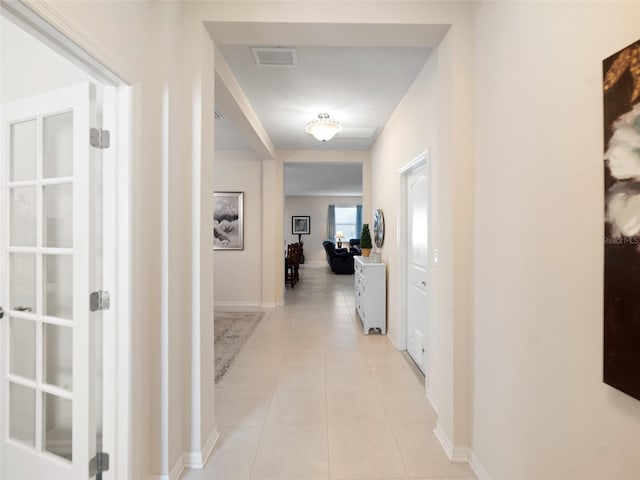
446, 444
198, 460
477, 467
271, 304
455, 454
460, 455
125, 152
253, 305
42, 20
431, 397
177, 470
404, 171
393, 338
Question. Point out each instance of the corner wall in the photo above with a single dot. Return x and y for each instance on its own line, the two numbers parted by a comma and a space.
541, 409
436, 116
238, 273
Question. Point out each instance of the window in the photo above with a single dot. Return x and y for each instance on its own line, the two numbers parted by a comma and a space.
346, 219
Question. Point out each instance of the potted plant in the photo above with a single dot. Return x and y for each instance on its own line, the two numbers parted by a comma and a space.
365, 240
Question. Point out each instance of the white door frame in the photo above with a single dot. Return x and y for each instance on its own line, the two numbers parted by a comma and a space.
423, 159
41, 20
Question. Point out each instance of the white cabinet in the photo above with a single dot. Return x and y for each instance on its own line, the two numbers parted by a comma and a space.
371, 293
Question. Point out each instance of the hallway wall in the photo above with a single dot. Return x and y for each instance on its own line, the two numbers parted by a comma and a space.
172, 261
541, 410
241, 171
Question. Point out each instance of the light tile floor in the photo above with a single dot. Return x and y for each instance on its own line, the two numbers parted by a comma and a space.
310, 397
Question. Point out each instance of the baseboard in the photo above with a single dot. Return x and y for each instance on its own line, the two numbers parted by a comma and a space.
393, 339
197, 460
268, 305
432, 399
477, 467
237, 305
177, 470
455, 454
175, 473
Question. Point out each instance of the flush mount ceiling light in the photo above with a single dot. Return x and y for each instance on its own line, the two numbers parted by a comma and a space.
323, 128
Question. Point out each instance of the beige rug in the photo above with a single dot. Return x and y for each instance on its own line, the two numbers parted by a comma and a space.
231, 330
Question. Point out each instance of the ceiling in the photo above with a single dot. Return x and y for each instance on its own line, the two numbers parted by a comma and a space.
357, 73
358, 86
323, 179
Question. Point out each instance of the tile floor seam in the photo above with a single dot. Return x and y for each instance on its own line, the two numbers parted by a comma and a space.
322, 306
262, 429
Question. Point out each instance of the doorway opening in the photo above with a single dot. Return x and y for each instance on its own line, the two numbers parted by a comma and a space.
63, 255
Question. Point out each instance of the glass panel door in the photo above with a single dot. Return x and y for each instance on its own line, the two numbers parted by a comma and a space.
46, 372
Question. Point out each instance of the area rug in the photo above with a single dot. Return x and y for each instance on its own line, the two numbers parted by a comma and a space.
231, 330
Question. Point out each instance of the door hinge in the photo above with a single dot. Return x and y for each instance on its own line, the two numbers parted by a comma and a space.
99, 301
98, 464
100, 138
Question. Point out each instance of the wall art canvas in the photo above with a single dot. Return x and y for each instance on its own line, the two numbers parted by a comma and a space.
301, 225
228, 232
621, 90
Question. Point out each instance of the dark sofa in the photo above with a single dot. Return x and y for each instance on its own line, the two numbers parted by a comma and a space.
340, 260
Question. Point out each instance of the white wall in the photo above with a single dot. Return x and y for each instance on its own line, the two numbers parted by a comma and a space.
541, 410
238, 273
29, 67
436, 116
316, 208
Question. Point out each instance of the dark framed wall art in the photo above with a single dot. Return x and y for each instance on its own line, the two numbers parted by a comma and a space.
228, 221
301, 225
621, 91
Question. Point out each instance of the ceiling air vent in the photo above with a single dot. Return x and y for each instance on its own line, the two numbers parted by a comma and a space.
217, 114
274, 56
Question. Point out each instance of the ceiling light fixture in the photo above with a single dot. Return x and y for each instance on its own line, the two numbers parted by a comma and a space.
323, 128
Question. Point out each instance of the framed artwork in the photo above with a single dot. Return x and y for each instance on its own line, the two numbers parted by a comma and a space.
228, 218
301, 225
378, 228
621, 92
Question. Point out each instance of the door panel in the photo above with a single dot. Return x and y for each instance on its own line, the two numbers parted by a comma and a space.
417, 265
47, 375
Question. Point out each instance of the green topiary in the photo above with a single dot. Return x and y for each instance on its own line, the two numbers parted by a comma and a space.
365, 237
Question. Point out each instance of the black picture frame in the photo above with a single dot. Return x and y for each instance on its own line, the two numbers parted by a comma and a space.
301, 225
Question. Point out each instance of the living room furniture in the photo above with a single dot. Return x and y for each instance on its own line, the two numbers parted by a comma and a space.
354, 246
370, 292
292, 264
340, 260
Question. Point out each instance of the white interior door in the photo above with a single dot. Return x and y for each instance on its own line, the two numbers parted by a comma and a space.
417, 265
49, 249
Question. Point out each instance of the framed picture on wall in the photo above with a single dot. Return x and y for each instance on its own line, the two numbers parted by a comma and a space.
301, 225
228, 232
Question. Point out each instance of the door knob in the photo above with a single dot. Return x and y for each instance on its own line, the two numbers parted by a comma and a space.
1, 312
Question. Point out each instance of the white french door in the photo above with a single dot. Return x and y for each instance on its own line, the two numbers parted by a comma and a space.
417, 265
50, 257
